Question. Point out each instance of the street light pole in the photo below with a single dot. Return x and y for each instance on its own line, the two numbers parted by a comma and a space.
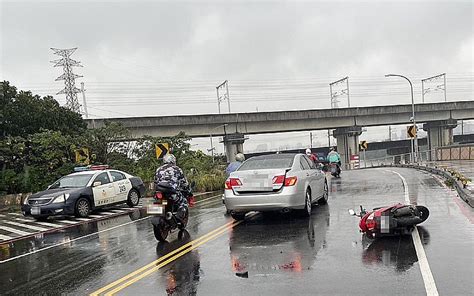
415, 140
210, 137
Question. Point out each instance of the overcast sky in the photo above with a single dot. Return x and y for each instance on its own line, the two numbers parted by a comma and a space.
159, 58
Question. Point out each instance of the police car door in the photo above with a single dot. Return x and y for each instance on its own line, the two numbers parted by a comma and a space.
103, 190
122, 185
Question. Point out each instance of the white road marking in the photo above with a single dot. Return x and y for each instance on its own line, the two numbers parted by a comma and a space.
13, 230
70, 241
2, 215
48, 224
25, 220
5, 237
118, 211
15, 214
428, 279
68, 221
26, 226
106, 213
96, 216
83, 219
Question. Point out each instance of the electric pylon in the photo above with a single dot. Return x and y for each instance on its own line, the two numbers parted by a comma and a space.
68, 76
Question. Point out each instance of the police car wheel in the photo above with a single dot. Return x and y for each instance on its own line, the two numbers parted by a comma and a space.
133, 198
83, 208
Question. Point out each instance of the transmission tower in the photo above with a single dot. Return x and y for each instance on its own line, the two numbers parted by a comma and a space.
68, 76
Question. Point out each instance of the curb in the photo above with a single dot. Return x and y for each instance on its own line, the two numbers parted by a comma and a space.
464, 194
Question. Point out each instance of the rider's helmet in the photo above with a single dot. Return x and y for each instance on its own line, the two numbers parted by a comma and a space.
169, 159
308, 152
239, 157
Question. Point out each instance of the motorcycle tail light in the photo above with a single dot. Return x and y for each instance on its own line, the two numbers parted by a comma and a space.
370, 222
158, 195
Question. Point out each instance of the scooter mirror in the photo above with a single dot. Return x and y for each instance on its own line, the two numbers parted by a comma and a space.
352, 212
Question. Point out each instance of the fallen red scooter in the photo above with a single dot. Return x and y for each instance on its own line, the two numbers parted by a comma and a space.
397, 219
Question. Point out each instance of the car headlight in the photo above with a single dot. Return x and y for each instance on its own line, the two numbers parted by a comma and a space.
61, 198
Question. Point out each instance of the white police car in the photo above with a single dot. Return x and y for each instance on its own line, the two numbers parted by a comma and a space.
80, 193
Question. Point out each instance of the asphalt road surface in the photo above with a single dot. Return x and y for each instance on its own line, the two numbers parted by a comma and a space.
264, 255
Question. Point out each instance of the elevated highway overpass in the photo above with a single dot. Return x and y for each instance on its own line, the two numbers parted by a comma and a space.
439, 119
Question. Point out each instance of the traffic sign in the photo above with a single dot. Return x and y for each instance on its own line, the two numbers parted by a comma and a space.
162, 149
411, 131
363, 145
82, 156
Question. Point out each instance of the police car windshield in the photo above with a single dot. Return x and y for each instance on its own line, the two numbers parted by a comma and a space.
73, 181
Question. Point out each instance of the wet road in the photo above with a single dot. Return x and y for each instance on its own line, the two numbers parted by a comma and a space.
265, 255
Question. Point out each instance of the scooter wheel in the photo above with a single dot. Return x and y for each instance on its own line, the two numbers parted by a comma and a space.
160, 233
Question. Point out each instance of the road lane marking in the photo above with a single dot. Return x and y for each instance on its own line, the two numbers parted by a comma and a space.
428, 279
126, 277
96, 216
25, 220
175, 257
48, 224
106, 213
5, 237
83, 219
68, 221
26, 226
13, 230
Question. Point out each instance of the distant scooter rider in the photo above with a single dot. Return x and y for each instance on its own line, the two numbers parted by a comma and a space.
311, 156
233, 166
334, 157
171, 176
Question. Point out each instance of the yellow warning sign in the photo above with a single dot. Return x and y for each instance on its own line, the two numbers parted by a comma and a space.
363, 145
82, 156
411, 131
162, 149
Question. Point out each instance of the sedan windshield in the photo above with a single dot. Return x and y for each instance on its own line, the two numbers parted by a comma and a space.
73, 181
279, 161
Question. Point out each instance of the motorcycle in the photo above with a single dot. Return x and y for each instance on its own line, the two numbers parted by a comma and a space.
397, 219
164, 211
335, 169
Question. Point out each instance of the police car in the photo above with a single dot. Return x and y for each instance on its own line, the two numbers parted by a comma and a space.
81, 192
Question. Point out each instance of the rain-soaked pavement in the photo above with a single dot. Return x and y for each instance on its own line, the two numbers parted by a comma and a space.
265, 255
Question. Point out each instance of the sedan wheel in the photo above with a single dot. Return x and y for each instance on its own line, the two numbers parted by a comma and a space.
307, 207
324, 199
133, 198
82, 208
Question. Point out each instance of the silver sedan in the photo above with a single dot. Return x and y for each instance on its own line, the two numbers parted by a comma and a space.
276, 182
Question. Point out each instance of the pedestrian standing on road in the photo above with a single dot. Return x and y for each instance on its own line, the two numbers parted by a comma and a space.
233, 166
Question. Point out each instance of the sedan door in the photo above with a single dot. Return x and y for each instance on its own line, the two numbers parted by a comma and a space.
104, 193
121, 184
318, 177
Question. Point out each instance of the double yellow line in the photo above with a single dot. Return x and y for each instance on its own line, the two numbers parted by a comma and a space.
148, 269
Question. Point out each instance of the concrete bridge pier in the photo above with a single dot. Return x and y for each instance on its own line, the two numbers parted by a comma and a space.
440, 133
347, 143
234, 143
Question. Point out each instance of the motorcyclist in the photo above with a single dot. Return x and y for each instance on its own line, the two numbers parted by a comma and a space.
233, 166
334, 157
311, 155
171, 176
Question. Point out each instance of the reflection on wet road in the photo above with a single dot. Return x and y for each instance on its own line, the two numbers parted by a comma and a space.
266, 254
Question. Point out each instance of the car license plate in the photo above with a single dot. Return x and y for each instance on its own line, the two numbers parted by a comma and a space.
155, 209
35, 211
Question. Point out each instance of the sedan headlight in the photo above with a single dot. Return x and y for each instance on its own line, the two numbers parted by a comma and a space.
61, 198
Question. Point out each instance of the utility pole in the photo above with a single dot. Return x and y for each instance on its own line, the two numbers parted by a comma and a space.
70, 90
390, 133
86, 114
310, 139
329, 139
335, 94
437, 88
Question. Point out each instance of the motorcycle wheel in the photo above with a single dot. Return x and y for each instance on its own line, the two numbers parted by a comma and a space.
161, 233
424, 212
184, 221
